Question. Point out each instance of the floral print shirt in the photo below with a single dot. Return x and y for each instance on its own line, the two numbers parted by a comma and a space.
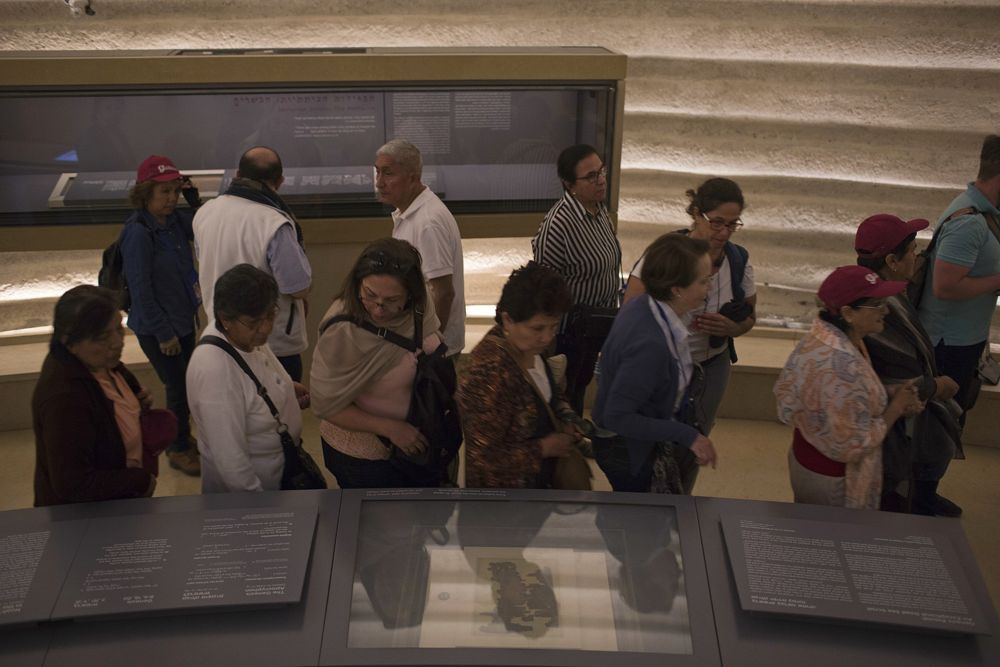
829, 391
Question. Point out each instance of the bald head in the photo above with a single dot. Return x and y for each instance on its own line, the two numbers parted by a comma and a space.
263, 164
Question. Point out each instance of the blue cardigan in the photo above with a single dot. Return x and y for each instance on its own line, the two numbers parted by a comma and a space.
637, 388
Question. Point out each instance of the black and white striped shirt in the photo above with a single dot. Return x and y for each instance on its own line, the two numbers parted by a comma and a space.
583, 248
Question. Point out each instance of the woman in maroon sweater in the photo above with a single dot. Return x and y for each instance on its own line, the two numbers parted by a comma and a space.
88, 447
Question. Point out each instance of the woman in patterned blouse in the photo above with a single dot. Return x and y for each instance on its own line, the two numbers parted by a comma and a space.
515, 418
830, 393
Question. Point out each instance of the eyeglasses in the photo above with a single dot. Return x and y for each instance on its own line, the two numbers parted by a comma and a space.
392, 303
380, 261
257, 323
874, 304
718, 224
595, 176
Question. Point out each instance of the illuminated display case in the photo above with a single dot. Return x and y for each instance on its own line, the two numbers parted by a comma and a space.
479, 577
489, 122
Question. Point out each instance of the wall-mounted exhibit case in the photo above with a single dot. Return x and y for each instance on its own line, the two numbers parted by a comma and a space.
486, 577
490, 124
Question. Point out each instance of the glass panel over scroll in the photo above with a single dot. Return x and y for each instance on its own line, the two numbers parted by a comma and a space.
519, 574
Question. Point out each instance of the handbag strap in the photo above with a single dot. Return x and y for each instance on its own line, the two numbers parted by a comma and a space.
224, 344
382, 332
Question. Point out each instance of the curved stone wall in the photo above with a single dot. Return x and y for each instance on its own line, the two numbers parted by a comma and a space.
824, 110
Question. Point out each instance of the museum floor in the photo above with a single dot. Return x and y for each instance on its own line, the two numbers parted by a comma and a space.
753, 466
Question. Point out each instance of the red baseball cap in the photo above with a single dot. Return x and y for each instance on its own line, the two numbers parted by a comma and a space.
847, 284
880, 234
158, 168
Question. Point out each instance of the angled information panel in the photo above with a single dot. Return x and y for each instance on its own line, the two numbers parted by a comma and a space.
750, 638
189, 560
34, 560
869, 574
247, 635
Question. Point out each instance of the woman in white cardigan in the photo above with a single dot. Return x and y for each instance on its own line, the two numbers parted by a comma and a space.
237, 437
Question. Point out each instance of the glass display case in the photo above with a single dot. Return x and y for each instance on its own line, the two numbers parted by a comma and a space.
69, 150
467, 577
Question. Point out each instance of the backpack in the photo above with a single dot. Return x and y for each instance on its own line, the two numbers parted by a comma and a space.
915, 288
112, 272
432, 410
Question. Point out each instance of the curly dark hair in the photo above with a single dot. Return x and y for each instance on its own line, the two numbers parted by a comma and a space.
244, 291
532, 289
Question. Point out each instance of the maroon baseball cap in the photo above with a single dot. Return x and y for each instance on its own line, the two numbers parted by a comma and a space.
847, 284
157, 168
880, 234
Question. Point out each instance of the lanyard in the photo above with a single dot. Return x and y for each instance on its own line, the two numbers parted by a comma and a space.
672, 343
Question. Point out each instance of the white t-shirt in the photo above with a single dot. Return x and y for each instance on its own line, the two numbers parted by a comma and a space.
541, 378
431, 228
240, 448
720, 291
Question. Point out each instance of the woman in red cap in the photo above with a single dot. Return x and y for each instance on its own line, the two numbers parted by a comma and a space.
918, 449
829, 392
163, 287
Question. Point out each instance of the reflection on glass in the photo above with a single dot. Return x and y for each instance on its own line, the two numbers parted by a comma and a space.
487, 148
519, 574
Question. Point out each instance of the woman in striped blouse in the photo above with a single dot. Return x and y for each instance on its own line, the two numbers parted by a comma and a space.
578, 240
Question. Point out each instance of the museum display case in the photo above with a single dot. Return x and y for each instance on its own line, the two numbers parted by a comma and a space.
490, 124
478, 577
486, 577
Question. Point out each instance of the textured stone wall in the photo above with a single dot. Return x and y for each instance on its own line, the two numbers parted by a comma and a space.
824, 110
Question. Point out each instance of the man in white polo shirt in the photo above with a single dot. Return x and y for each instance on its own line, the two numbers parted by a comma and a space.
423, 220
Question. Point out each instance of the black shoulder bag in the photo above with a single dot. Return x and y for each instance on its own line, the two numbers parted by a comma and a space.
300, 472
432, 410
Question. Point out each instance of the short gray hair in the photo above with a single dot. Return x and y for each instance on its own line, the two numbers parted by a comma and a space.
403, 153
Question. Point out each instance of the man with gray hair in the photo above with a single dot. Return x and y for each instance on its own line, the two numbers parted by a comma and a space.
423, 220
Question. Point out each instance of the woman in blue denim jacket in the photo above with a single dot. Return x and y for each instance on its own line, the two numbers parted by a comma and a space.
163, 285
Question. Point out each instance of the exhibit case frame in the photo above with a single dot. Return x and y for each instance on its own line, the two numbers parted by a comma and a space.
489, 121
518, 577
478, 577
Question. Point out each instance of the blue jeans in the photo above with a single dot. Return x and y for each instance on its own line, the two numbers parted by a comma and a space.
171, 371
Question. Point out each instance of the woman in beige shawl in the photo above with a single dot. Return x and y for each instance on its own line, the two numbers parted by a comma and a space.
360, 383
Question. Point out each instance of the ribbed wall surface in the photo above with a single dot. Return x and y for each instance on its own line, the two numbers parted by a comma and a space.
825, 111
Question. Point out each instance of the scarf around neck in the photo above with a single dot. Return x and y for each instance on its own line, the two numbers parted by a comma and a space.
257, 191
348, 358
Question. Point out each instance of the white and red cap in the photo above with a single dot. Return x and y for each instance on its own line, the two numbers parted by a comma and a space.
847, 284
158, 168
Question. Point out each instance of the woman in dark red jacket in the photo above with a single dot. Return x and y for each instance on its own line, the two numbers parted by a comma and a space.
86, 406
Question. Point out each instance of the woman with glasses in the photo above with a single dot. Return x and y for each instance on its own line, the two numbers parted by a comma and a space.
237, 433
578, 241
86, 407
729, 309
829, 392
360, 382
